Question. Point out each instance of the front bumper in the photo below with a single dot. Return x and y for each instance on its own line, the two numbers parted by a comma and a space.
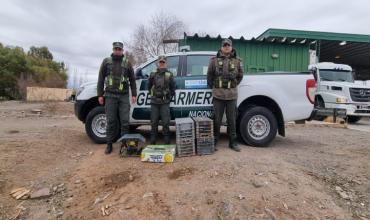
318, 112
354, 109
78, 107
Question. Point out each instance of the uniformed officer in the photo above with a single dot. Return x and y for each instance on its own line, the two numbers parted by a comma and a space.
161, 86
223, 76
117, 75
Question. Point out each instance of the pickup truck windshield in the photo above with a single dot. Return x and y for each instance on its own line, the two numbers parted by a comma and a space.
336, 75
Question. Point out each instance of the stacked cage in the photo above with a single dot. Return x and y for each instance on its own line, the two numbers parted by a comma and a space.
185, 144
204, 135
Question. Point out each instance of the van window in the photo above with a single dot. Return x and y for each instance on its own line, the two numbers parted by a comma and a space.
197, 65
336, 75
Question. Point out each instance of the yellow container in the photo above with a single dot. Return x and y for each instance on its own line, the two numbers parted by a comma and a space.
159, 153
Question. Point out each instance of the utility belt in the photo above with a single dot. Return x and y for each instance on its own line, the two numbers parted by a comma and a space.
223, 83
162, 94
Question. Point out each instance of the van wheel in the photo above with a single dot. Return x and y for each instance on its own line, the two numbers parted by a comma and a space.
258, 126
353, 119
95, 125
319, 103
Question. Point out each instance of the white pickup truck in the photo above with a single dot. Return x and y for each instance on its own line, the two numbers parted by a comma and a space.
336, 89
266, 100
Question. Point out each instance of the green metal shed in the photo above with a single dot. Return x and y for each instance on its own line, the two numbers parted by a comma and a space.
257, 55
351, 49
293, 50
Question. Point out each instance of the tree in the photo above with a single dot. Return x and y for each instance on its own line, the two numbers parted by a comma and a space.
13, 62
40, 52
147, 40
8, 85
130, 56
36, 68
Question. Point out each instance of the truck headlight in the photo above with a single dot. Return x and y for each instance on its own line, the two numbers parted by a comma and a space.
341, 100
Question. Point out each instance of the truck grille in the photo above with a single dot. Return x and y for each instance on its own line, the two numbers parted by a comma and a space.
360, 95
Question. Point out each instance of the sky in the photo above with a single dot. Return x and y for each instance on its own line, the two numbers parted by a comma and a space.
80, 33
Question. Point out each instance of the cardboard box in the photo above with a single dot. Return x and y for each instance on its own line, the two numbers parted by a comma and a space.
159, 153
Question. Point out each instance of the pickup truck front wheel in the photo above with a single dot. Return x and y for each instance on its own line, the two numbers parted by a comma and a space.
258, 126
95, 125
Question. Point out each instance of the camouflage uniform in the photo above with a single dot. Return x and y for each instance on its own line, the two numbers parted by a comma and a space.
223, 76
117, 75
161, 86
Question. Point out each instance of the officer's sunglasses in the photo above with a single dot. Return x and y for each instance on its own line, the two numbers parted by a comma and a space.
162, 61
226, 45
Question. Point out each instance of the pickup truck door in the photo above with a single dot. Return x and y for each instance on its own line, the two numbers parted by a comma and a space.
141, 110
193, 96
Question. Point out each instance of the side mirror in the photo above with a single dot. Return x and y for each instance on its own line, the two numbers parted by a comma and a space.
139, 74
314, 73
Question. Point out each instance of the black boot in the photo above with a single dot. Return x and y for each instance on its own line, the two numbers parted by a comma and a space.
167, 139
233, 145
153, 139
109, 148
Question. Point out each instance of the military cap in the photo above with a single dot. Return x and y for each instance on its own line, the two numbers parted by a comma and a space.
160, 58
118, 44
227, 41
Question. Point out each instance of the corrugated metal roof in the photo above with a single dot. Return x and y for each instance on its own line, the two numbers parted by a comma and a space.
313, 35
219, 37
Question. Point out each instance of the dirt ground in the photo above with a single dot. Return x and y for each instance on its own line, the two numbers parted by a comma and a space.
316, 172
